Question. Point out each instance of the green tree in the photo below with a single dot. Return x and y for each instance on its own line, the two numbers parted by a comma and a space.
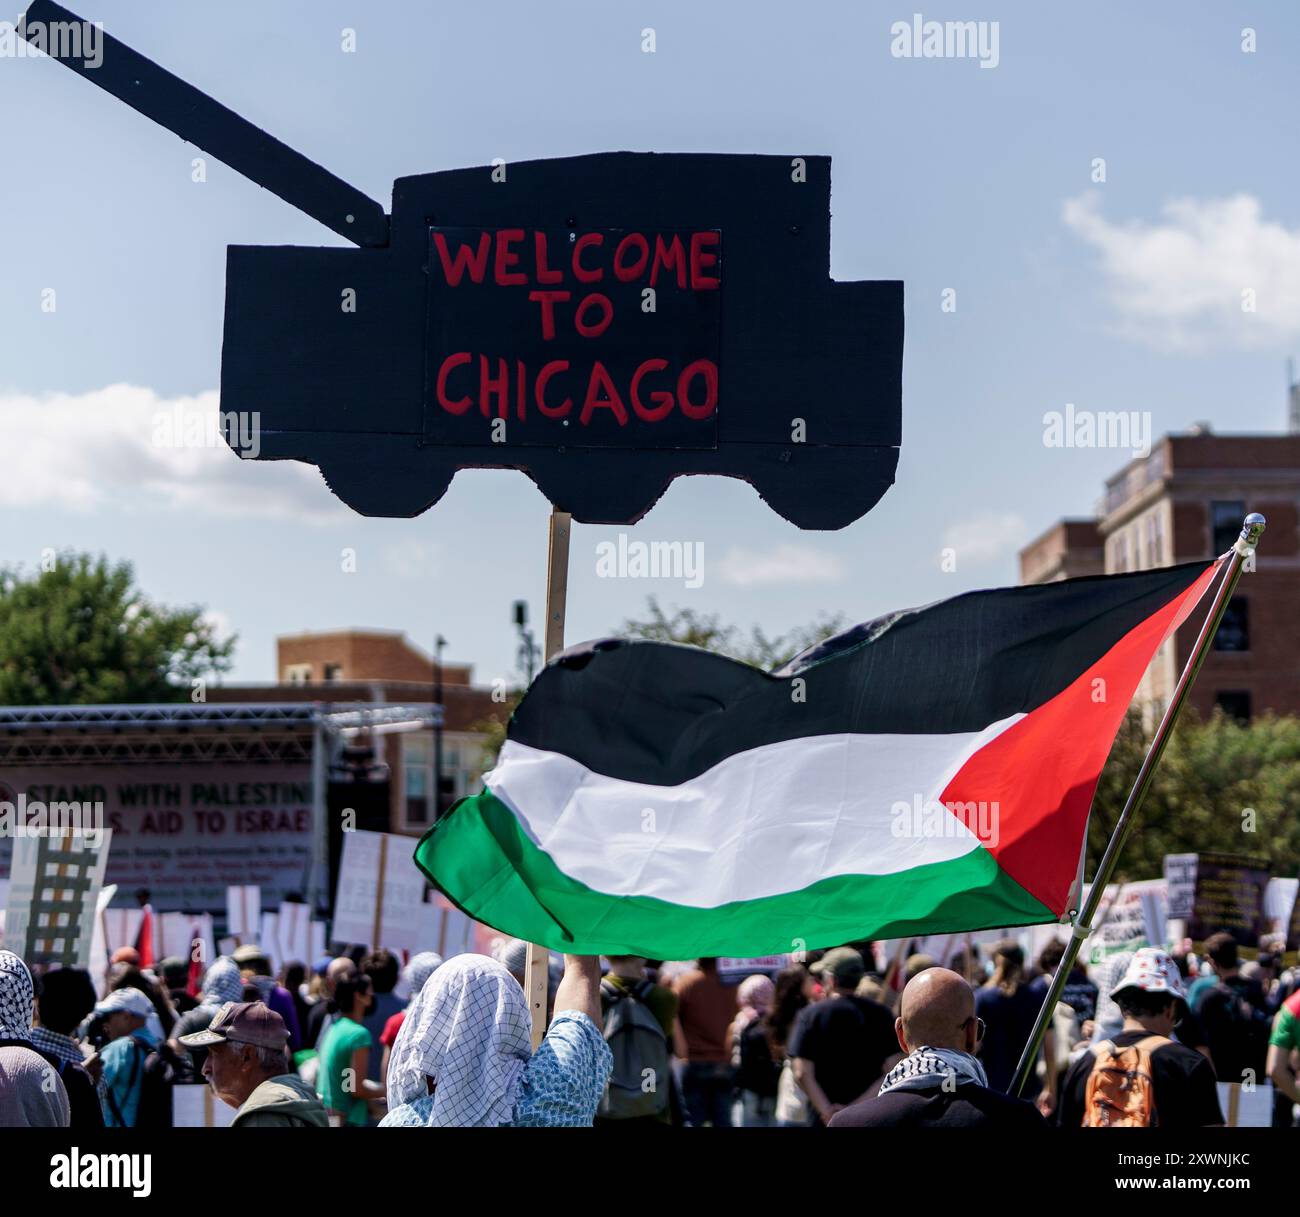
1222, 785
707, 631
82, 632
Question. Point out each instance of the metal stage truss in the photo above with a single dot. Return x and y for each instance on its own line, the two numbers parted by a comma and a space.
236, 732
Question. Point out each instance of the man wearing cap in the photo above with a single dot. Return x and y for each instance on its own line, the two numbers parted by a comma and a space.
840, 1045
123, 1015
1151, 997
247, 1066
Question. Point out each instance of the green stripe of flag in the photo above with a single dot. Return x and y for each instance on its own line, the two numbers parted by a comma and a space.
481, 858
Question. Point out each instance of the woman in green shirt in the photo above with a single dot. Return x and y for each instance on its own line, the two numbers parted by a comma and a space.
344, 1053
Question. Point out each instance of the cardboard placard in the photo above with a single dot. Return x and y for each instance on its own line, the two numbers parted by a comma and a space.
244, 910
179, 934
1180, 874
1130, 916
53, 898
196, 1106
380, 896
1229, 896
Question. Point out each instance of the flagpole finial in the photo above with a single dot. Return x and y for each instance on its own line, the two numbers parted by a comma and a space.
1251, 531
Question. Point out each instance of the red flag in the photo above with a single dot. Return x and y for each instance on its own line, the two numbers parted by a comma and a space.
144, 939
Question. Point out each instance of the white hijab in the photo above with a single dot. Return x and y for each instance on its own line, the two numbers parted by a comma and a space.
468, 1028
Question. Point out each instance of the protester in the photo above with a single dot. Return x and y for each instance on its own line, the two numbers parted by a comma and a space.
63, 1000
416, 972
756, 1072
255, 968
1283, 1045
221, 984
1009, 1010
384, 972
294, 981
247, 1065
32, 1094
705, 1008
842, 1044
1141, 1077
637, 1017
940, 1083
1233, 1010
344, 1053
322, 1013
1079, 993
162, 1017
791, 996
174, 972
463, 1056
137, 1078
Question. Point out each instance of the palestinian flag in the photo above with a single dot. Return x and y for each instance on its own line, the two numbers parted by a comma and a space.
928, 772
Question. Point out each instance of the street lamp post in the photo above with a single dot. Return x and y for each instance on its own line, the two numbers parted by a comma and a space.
438, 645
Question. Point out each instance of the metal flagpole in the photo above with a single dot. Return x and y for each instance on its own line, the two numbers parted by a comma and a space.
1252, 530
538, 958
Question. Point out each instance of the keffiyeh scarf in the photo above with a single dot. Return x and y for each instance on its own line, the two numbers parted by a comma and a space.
468, 1028
222, 983
929, 1068
421, 967
17, 998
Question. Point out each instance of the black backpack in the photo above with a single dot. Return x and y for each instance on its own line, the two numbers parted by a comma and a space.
641, 1080
1250, 1029
755, 1069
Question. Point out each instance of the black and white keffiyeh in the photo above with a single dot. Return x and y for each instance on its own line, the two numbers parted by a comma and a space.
17, 998
930, 1068
469, 1030
221, 983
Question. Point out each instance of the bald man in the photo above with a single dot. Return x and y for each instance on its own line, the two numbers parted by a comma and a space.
940, 1082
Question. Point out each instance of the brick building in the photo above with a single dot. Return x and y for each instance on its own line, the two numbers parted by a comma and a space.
379, 667
1186, 501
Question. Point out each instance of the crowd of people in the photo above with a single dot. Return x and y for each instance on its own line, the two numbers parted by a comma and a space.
1149, 1038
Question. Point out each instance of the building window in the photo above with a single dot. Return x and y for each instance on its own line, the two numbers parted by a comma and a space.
1153, 541
417, 779
1225, 524
1234, 628
1234, 705
298, 673
333, 671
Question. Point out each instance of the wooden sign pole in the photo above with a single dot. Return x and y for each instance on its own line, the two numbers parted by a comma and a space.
536, 968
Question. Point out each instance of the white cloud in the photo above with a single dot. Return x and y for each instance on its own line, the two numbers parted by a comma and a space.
412, 559
784, 564
1177, 283
98, 450
984, 538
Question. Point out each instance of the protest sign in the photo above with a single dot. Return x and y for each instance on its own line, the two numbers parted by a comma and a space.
293, 925
1180, 874
53, 897
1279, 900
1131, 915
184, 933
380, 897
195, 1106
731, 970
1229, 896
243, 910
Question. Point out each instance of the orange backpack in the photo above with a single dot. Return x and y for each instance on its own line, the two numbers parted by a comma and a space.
1121, 1090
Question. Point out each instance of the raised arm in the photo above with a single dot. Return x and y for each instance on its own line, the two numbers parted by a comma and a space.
580, 986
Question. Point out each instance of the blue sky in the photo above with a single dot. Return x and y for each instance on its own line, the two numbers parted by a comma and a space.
1123, 295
